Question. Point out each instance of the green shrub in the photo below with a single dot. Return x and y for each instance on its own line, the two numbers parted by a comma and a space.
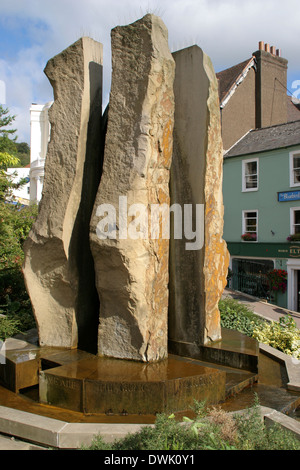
283, 335
237, 316
254, 435
9, 326
17, 317
15, 224
213, 430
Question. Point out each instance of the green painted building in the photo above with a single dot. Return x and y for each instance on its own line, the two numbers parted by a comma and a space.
261, 190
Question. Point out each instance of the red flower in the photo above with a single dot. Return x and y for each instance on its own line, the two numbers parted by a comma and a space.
277, 280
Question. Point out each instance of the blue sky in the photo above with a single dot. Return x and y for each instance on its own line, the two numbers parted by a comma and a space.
17, 33
33, 31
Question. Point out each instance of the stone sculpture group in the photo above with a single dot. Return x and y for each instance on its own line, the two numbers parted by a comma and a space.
99, 277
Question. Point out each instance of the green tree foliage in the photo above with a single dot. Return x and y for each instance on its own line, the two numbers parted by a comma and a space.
6, 120
18, 151
12, 154
8, 149
213, 430
23, 154
15, 224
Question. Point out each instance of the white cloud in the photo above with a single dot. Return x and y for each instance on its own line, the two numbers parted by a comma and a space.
227, 30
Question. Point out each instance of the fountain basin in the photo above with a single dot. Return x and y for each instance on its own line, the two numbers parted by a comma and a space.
120, 387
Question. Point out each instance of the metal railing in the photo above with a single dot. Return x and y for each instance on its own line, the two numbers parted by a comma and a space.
252, 284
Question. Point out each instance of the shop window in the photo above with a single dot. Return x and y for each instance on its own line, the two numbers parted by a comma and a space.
250, 276
295, 168
250, 175
252, 266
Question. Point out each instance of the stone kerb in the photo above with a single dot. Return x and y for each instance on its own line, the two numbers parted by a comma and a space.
63, 435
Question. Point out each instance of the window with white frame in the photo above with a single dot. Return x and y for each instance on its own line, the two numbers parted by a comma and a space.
250, 226
295, 168
295, 220
250, 175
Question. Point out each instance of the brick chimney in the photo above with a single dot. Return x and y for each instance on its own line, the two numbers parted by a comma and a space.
270, 86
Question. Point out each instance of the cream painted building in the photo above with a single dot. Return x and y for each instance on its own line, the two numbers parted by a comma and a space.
39, 138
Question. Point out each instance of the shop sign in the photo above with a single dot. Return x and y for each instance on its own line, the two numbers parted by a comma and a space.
289, 196
295, 251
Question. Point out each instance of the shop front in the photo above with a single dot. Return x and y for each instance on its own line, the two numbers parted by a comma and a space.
254, 266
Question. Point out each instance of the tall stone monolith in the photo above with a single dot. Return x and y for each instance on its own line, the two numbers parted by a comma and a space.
198, 267
58, 267
131, 266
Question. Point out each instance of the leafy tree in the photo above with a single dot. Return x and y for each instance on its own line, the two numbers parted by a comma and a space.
23, 147
23, 150
7, 136
5, 120
10, 151
8, 148
7, 145
15, 223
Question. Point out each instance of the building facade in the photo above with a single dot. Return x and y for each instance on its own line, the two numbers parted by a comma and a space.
39, 138
21, 194
261, 190
253, 94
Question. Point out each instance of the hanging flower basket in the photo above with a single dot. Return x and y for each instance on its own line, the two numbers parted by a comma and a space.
249, 237
295, 237
277, 280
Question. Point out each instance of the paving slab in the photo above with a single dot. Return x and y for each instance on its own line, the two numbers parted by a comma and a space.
30, 426
74, 435
10, 443
54, 433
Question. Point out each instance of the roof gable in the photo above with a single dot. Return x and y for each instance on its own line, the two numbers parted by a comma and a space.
293, 109
230, 78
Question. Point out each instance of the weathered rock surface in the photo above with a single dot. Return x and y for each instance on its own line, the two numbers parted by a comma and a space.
58, 265
132, 274
198, 273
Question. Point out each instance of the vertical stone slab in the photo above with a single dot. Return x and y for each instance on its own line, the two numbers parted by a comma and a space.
197, 272
131, 268
58, 267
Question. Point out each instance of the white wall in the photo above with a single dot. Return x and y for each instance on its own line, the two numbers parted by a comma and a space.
39, 138
22, 194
